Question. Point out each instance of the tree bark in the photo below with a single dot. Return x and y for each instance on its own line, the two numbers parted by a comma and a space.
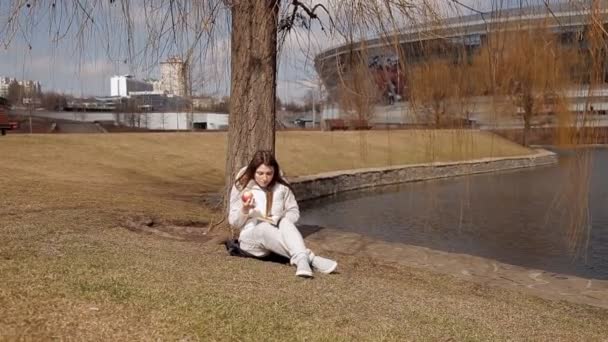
526, 132
253, 82
528, 108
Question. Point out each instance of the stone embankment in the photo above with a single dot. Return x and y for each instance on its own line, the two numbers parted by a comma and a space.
329, 183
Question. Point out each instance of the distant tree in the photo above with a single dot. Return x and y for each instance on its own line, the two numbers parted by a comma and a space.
309, 99
434, 86
15, 93
163, 120
53, 101
532, 72
294, 107
279, 103
358, 93
222, 106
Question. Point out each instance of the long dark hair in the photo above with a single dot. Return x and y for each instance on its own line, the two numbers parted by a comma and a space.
259, 158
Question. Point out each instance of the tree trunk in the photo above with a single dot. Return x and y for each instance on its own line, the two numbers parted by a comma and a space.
528, 108
527, 127
253, 82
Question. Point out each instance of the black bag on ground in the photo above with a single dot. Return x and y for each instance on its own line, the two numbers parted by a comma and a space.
234, 249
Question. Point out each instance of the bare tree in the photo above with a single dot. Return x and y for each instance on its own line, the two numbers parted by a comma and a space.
163, 120
15, 93
255, 30
253, 81
434, 88
358, 93
530, 70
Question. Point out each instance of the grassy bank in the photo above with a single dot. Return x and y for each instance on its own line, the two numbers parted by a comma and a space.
70, 271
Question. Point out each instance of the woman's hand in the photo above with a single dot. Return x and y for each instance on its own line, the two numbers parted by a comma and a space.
248, 205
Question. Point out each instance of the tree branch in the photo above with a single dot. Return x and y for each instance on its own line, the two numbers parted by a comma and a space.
286, 24
84, 10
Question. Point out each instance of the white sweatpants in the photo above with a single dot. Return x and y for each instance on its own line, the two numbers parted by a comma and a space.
285, 240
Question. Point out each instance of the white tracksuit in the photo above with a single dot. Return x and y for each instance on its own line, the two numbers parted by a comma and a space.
259, 238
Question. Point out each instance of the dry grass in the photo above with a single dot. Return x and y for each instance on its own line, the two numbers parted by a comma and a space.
69, 271
303, 153
137, 159
133, 170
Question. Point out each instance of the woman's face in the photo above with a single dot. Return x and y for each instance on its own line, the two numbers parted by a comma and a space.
264, 175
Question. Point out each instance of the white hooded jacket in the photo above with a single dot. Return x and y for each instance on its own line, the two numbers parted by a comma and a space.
284, 205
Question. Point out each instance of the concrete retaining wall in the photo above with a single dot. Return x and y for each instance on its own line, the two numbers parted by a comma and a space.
329, 183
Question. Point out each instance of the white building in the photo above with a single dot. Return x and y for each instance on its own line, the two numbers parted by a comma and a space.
5, 82
177, 121
31, 88
125, 84
210, 121
170, 121
156, 85
174, 77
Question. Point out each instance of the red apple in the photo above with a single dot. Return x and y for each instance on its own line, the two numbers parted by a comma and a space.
246, 196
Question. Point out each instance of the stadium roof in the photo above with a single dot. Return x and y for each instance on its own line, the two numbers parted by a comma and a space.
564, 16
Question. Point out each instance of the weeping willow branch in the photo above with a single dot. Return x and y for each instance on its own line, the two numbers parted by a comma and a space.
286, 24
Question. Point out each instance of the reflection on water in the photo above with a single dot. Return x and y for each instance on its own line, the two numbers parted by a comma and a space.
525, 218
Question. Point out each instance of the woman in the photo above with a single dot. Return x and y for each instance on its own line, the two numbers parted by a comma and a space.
264, 207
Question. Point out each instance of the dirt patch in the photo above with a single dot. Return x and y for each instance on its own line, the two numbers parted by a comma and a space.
208, 199
189, 230
171, 229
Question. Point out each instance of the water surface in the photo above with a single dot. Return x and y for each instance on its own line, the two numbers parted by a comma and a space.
527, 218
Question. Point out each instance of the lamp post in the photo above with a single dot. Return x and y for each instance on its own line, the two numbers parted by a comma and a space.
314, 112
314, 85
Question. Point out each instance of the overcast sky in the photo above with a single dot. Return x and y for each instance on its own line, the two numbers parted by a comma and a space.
75, 50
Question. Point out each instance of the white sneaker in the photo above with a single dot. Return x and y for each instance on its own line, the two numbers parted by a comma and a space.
303, 268
323, 265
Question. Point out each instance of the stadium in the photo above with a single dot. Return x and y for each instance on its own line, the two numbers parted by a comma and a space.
388, 58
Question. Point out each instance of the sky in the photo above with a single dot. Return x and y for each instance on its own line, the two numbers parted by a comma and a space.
74, 47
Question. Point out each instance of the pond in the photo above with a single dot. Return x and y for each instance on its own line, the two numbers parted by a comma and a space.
534, 218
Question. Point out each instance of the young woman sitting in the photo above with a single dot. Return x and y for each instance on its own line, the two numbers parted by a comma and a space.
263, 206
